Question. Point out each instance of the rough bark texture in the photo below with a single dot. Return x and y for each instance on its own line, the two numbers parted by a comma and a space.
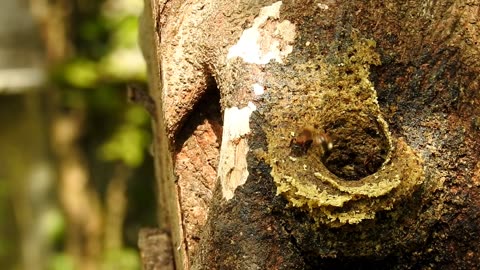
393, 84
156, 250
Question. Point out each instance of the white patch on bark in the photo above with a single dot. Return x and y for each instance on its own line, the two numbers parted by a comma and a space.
258, 89
323, 6
232, 167
265, 41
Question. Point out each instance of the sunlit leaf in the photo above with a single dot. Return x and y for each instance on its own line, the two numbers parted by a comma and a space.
61, 261
81, 73
137, 116
126, 33
124, 64
127, 259
128, 144
53, 224
121, 8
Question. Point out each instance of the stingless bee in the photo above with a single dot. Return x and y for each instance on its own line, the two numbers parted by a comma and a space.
309, 137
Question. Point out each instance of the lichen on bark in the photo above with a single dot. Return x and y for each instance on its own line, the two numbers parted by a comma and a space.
367, 170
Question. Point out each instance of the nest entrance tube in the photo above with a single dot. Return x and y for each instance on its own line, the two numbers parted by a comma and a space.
361, 146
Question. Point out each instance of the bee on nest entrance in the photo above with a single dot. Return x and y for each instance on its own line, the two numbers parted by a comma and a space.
310, 137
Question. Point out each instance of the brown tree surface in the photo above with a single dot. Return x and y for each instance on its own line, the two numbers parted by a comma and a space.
317, 134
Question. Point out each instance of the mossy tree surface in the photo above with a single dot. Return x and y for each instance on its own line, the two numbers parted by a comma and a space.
393, 85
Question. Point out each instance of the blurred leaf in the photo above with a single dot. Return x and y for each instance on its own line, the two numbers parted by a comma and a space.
61, 261
81, 73
53, 224
128, 144
122, 8
104, 35
94, 30
137, 115
124, 64
126, 33
5, 245
107, 98
124, 259
73, 98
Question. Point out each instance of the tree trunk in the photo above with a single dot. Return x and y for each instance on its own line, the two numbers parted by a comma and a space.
307, 134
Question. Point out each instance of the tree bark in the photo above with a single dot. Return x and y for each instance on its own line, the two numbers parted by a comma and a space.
307, 134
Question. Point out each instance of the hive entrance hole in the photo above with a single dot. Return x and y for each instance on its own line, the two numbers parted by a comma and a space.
360, 148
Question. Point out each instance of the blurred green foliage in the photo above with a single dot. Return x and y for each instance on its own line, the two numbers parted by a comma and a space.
80, 73
61, 261
121, 259
107, 58
5, 245
129, 142
106, 49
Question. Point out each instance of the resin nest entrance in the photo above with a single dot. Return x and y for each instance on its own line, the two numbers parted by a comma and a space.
333, 199
360, 147
365, 170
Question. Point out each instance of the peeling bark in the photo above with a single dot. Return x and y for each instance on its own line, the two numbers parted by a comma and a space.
395, 87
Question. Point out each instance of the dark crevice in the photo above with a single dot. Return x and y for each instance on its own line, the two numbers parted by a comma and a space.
206, 109
360, 148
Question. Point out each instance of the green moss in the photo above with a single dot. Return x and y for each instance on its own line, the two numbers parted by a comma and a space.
367, 170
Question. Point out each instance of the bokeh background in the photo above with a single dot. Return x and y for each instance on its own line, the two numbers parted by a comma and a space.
76, 175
